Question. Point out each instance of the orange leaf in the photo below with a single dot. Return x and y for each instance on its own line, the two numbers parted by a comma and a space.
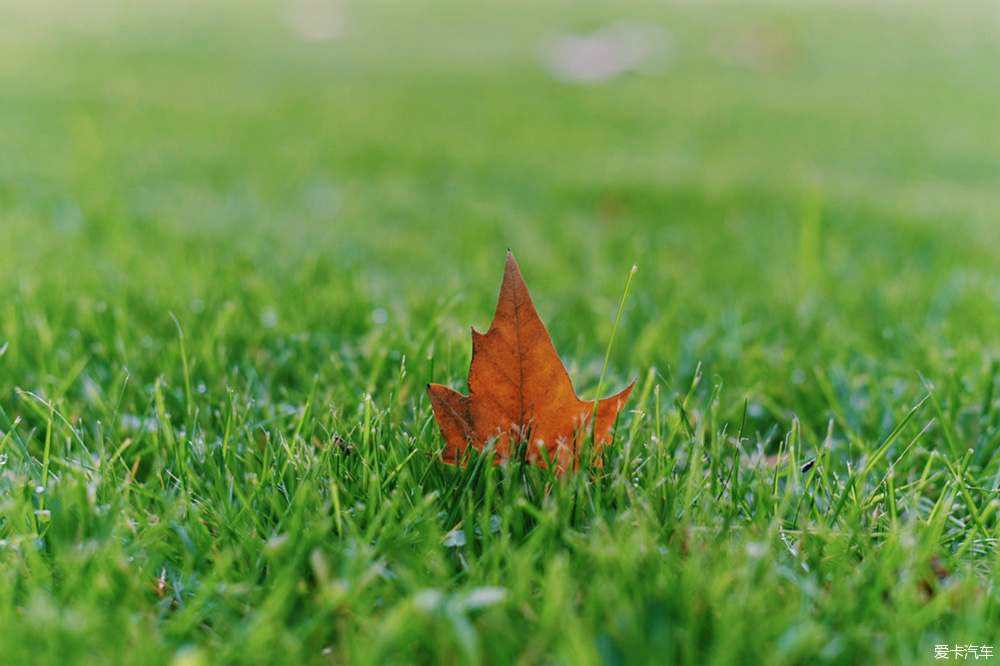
519, 391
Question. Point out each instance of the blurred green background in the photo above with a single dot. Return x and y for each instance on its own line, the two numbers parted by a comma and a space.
802, 186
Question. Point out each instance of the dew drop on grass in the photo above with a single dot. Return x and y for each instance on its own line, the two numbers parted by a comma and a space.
455, 539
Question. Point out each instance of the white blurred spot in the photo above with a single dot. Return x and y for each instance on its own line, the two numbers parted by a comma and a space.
380, 316
189, 655
135, 423
269, 318
481, 597
317, 20
428, 600
607, 53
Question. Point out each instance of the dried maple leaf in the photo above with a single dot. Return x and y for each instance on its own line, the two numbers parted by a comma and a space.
519, 391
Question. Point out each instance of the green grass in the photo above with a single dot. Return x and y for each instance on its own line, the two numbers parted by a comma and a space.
232, 260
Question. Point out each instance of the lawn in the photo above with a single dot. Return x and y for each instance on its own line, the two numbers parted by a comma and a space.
239, 240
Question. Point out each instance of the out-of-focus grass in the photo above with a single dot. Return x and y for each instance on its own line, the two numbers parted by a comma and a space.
234, 258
